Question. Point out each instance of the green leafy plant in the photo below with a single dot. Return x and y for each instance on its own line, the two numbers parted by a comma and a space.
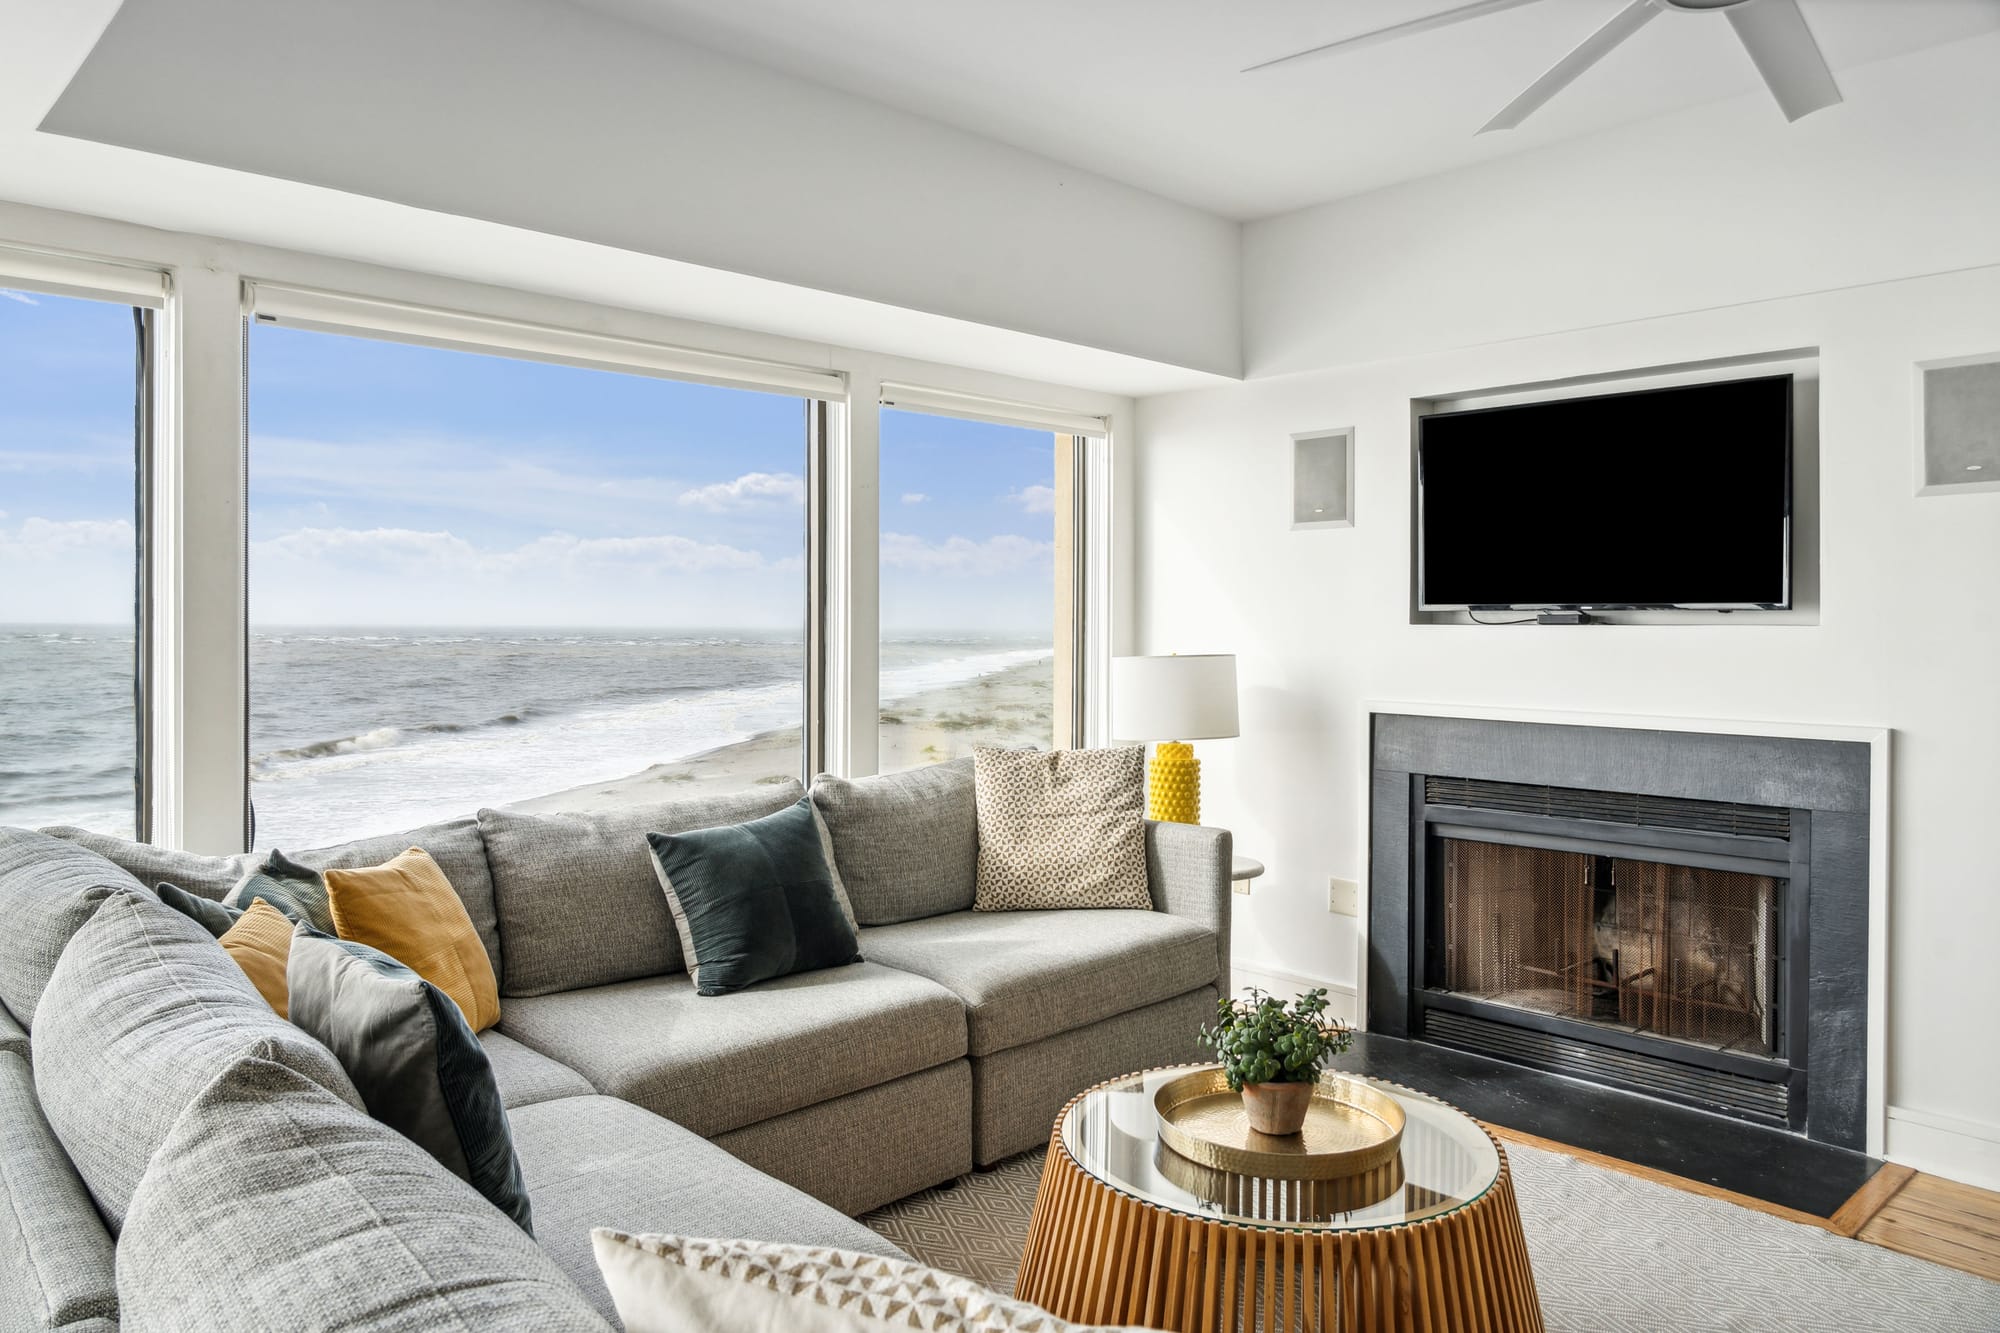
1261, 1039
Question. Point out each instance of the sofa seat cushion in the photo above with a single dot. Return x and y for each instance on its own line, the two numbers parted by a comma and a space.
718, 1062
579, 902
274, 1205
455, 845
597, 1161
526, 1076
55, 1255
48, 889
1028, 975
142, 1011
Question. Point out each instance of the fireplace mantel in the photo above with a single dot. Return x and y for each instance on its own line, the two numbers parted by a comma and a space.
1685, 783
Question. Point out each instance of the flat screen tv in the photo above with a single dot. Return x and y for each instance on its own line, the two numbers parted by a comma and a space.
1674, 497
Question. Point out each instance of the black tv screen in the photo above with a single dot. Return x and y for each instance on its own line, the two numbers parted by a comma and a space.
1675, 497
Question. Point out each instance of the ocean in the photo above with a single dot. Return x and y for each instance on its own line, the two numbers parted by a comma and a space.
356, 731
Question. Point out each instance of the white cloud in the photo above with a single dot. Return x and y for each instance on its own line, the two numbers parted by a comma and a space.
1004, 554
22, 297
1035, 499
749, 489
915, 498
41, 538
417, 552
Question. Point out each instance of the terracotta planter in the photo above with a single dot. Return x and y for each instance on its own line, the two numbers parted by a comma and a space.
1277, 1108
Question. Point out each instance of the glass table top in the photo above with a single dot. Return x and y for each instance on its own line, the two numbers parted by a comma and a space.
1446, 1162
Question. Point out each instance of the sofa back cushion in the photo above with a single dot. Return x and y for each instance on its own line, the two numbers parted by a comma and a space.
579, 903
454, 844
907, 844
144, 1009
48, 889
273, 1205
55, 1255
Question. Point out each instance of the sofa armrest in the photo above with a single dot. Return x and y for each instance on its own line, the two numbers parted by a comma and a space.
1188, 867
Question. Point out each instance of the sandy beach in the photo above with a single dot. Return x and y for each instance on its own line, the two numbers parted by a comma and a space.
1011, 707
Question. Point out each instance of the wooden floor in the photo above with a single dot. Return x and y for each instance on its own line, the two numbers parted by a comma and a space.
1942, 1221
1927, 1217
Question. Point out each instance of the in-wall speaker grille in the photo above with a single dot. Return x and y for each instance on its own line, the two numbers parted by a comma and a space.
1612, 807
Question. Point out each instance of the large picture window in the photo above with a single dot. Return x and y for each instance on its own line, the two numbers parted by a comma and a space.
477, 580
977, 568
71, 441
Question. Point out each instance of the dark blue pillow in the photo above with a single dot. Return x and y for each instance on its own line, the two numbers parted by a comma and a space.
419, 1069
755, 901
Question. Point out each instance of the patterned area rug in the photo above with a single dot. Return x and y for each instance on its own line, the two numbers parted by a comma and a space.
1611, 1253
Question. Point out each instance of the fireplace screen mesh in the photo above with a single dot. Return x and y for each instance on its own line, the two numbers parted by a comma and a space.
1677, 951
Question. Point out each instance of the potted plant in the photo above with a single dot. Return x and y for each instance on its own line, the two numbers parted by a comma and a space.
1272, 1053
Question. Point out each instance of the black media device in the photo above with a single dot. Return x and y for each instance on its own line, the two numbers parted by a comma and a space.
1678, 497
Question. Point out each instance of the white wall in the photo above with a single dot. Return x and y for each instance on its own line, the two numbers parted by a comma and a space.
1406, 295
569, 122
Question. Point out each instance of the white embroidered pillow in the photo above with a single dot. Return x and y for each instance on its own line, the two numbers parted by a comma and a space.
1060, 828
670, 1284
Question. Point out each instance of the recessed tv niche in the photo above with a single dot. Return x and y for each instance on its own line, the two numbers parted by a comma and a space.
1664, 498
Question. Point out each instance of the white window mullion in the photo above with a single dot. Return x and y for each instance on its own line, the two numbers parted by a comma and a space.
198, 638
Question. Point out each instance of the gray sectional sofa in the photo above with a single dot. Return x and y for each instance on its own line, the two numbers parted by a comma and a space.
174, 1156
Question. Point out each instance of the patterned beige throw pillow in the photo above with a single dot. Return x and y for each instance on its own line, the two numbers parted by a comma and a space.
670, 1284
1061, 828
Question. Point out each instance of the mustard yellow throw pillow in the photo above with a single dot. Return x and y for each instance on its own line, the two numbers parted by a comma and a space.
261, 944
406, 908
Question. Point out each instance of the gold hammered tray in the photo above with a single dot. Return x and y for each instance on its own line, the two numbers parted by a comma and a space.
1350, 1128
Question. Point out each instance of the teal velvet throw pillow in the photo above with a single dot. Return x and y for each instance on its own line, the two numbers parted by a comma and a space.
412, 1057
755, 901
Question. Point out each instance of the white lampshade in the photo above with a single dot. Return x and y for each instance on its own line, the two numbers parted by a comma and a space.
1190, 698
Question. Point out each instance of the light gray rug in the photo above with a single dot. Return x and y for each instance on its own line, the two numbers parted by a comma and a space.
1611, 1252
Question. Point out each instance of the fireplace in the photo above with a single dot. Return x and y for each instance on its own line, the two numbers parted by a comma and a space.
1655, 933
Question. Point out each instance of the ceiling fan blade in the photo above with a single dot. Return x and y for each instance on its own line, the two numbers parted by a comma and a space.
1780, 44
1425, 24
1564, 72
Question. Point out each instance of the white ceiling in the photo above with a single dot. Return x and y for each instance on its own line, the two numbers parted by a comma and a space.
1148, 91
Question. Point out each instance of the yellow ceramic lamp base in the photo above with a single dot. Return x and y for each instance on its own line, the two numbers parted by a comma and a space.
1173, 784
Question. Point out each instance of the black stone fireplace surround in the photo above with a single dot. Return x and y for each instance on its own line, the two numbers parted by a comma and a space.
1554, 857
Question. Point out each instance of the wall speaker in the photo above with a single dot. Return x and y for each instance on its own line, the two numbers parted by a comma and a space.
1958, 425
1323, 479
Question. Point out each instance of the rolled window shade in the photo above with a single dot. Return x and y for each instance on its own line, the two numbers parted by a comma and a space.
396, 321
1000, 411
59, 274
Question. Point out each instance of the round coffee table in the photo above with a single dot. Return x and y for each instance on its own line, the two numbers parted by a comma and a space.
1126, 1231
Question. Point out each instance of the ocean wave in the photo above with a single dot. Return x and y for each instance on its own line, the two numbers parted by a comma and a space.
381, 738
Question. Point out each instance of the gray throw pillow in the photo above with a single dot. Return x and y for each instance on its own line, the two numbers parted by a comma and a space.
906, 844
213, 917
756, 900
297, 890
413, 1058
1061, 828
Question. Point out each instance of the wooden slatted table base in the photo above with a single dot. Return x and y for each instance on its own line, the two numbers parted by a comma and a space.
1097, 1255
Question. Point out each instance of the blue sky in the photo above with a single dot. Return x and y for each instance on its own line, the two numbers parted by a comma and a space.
401, 485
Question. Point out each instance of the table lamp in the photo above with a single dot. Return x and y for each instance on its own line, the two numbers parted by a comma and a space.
1173, 700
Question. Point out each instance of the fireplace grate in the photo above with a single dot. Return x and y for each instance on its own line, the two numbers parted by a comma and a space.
1614, 807
1735, 1094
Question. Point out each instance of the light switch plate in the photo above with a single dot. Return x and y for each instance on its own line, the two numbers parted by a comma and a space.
1343, 897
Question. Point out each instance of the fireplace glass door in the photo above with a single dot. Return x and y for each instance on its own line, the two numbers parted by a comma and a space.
1676, 951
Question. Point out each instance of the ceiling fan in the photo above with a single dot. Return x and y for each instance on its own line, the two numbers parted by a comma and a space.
1774, 32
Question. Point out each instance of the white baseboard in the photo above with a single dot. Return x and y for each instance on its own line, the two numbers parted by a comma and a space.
1945, 1145
1339, 995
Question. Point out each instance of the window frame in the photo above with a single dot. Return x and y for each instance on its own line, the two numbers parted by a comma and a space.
147, 292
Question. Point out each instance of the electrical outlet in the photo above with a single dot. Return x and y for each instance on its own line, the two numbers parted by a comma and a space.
1343, 897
